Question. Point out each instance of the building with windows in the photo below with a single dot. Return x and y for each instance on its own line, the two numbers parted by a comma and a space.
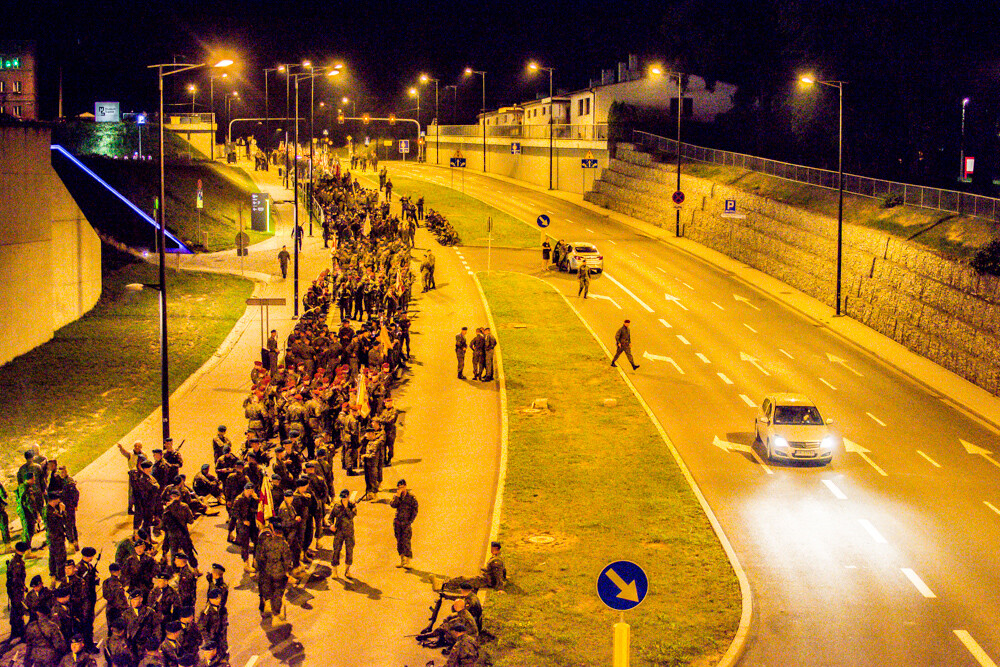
18, 80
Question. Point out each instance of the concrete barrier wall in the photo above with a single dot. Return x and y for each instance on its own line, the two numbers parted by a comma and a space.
50, 257
531, 165
936, 307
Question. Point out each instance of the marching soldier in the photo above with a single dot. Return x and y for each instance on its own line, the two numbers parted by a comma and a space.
274, 562
623, 343
342, 519
405, 504
213, 622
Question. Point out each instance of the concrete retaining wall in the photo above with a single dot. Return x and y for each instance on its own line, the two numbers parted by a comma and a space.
936, 307
50, 256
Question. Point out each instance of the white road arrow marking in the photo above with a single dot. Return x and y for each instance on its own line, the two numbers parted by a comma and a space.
985, 453
628, 590
745, 300
754, 361
974, 648
606, 298
629, 292
837, 360
656, 357
668, 297
852, 447
744, 449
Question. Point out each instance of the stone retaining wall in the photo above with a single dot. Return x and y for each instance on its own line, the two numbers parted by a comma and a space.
938, 308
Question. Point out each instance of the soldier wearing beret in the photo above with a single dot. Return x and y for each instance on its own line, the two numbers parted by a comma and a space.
142, 623
45, 640
216, 581
17, 574
190, 632
342, 519
170, 647
214, 621
274, 562
117, 649
220, 442
244, 517
113, 593
78, 655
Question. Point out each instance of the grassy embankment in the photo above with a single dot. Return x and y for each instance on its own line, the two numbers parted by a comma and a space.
953, 236
466, 214
99, 376
603, 483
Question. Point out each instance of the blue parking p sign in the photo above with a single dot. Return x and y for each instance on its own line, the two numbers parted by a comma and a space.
543, 221
730, 206
622, 585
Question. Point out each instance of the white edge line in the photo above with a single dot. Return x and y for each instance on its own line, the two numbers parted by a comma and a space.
724, 378
737, 646
872, 531
918, 583
749, 401
875, 419
834, 489
929, 459
974, 648
504, 426
991, 506
749, 327
785, 353
629, 292
828, 384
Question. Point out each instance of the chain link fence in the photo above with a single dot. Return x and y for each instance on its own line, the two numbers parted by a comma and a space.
913, 195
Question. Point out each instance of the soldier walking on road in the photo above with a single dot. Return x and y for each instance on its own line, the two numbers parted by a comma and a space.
342, 519
583, 274
283, 258
623, 340
274, 562
461, 345
405, 504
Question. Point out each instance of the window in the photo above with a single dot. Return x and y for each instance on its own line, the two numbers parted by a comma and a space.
17, 110
587, 112
579, 108
543, 110
2, 110
17, 86
3, 86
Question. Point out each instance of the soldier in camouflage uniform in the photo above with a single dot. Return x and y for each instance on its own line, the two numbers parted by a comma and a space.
274, 562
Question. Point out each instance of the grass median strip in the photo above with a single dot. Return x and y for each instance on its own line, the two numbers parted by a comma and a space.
467, 214
602, 484
100, 376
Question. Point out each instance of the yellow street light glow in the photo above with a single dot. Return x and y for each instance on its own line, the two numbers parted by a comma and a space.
468, 70
191, 88
655, 70
223, 63
423, 78
338, 66
307, 63
281, 68
413, 92
236, 94
333, 72
807, 79
344, 100
322, 104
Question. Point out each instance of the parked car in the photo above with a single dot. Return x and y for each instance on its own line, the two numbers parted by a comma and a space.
790, 427
580, 252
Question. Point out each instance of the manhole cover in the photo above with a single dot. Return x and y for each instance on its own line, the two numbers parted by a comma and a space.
540, 539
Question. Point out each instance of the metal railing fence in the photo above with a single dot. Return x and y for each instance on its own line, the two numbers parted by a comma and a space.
915, 195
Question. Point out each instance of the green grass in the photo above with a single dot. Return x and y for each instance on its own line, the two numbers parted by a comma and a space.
953, 236
99, 376
468, 215
603, 483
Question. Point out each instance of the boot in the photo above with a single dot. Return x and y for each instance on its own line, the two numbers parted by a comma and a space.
435, 583
248, 568
406, 562
402, 561
336, 572
347, 572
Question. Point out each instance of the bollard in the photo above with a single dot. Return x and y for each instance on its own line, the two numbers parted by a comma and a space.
622, 645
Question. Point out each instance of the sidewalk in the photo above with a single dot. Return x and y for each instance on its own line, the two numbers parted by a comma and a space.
448, 448
976, 402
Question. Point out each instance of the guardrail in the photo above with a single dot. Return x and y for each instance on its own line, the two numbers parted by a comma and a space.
597, 132
914, 195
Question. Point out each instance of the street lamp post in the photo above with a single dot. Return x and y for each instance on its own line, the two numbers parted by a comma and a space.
177, 68
839, 85
267, 107
680, 109
534, 67
211, 87
437, 119
469, 72
414, 92
961, 158
194, 91
229, 114
312, 118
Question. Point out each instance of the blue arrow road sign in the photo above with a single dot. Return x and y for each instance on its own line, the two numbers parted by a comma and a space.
588, 163
622, 585
458, 161
543, 221
515, 148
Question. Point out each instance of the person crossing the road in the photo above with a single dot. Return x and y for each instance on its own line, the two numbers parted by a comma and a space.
623, 341
583, 275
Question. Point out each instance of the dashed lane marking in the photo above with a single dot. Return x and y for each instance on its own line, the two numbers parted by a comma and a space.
686, 285
717, 306
683, 339
918, 583
785, 353
929, 459
837, 493
828, 384
749, 401
589, 230
875, 419
991, 506
872, 531
703, 358
666, 324
749, 327
725, 379
974, 648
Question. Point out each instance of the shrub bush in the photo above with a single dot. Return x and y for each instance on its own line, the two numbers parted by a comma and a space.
987, 258
890, 201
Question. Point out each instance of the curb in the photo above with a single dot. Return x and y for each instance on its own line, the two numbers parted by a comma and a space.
738, 645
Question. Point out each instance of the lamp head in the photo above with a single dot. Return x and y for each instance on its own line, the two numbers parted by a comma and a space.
656, 70
533, 66
307, 63
413, 92
423, 78
333, 72
339, 66
281, 68
191, 88
468, 71
344, 100
965, 101
808, 79
223, 63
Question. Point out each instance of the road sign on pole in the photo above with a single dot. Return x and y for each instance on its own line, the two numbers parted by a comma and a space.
458, 161
515, 148
588, 163
730, 210
404, 146
678, 197
200, 203
622, 585
543, 221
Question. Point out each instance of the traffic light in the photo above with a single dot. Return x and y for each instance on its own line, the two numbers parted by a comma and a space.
392, 119
367, 119
340, 116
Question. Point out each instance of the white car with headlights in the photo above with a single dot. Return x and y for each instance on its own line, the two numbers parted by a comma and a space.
790, 428
580, 252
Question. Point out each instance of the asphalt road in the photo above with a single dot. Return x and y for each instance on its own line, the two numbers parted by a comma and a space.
883, 557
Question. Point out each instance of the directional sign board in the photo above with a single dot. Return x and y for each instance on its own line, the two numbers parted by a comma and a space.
404, 145
266, 301
260, 211
622, 585
458, 161
200, 200
543, 221
515, 148
588, 163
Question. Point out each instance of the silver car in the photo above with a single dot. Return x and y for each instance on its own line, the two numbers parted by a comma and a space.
582, 252
791, 428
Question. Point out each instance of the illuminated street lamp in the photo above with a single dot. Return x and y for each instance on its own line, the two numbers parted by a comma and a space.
211, 86
354, 105
534, 67
437, 119
161, 287
961, 159
839, 85
656, 70
469, 72
194, 91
